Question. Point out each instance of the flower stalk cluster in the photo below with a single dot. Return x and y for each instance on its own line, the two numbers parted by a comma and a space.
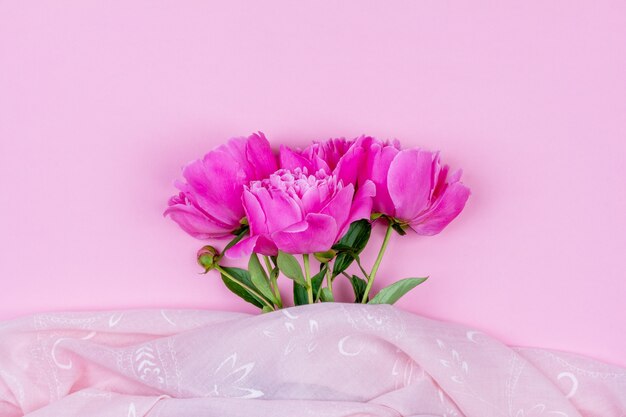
307, 215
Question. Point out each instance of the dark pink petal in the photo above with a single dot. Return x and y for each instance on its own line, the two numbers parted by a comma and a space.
265, 246
443, 211
351, 164
243, 248
189, 199
260, 156
409, 182
379, 162
291, 160
258, 244
327, 154
314, 198
281, 211
361, 205
194, 222
315, 234
216, 185
440, 179
319, 163
339, 207
254, 213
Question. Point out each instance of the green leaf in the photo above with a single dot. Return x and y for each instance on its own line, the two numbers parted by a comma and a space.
258, 276
267, 309
358, 285
242, 276
300, 296
357, 236
290, 266
326, 295
393, 292
342, 247
343, 261
351, 244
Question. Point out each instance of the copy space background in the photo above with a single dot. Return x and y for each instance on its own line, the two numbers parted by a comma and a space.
101, 103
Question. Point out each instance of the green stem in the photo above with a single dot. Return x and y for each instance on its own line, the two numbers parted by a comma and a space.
250, 290
319, 293
307, 277
379, 258
329, 278
268, 263
273, 281
367, 277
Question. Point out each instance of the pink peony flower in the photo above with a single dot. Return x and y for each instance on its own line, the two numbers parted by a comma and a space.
424, 195
411, 185
295, 212
209, 203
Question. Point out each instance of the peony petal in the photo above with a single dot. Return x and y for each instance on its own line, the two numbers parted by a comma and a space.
409, 182
314, 198
443, 211
254, 213
350, 164
439, 179
327, 154
265, 246
189, 199
216, 184
194, 222
319, 163
258, 244
317, 233
379, 161
291, 160
339, 207
280, 209
361, 205
243, 248
260, 156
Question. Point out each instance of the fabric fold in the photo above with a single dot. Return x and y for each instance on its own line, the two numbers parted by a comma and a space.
331, 359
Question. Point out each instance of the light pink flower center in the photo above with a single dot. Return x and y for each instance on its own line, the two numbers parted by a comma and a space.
297, 182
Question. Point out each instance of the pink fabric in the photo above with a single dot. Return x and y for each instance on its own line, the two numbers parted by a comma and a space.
334, 360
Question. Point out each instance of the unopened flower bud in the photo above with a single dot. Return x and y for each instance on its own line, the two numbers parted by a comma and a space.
208, 257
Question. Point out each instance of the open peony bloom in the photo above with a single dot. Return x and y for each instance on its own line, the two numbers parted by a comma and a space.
424, 195
411, 185
295, 212
209, 202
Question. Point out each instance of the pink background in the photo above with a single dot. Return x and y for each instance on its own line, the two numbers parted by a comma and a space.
101, 103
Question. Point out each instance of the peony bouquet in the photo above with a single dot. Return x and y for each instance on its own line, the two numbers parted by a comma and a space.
317, 205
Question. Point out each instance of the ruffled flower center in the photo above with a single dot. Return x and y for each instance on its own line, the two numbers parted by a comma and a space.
297, 182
